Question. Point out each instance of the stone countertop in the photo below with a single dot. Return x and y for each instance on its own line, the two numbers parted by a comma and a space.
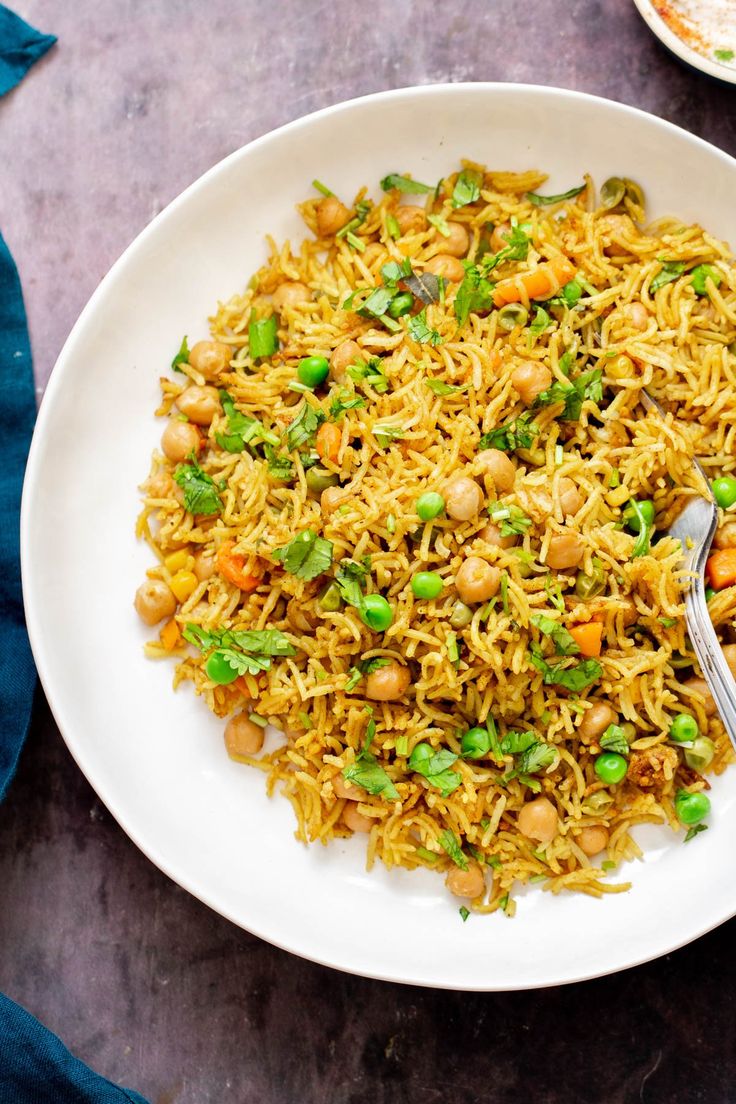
141, 980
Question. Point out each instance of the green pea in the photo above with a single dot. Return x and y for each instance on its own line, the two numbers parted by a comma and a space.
427, 584
610, 767
724, 491
430, 505
475, 743
588, 586
461, 615
691, 808
420, 756
512, 315
313, 371
319, 479
219, 670
646, 506
700, 756
709, 593
400, 304
376, 613
330, 599
684, 729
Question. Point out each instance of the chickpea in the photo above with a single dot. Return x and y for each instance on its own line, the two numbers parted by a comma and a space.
463, 499
729, 654
355, 821
289, 295
159, 485
498, 468
204, 565
571, 499
565, 552
387, 683
243, 736
637, 315
331, 498
596, 720
200, 404
411, 219
468, 883
499, 238
154, 601
346, 353
476, 580
179, 439
726, 536
592, 840
530, 379
210, 358
344, 790
491, 534
700, 686
443, 264
331, 216
458, 243
372, 252
538, 820
617, 226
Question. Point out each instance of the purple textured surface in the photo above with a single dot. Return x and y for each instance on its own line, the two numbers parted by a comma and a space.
136, 100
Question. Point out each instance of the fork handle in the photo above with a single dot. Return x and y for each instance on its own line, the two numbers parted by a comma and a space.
708, 649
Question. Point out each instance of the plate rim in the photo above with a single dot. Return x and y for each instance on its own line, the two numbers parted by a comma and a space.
33, 475
676, 45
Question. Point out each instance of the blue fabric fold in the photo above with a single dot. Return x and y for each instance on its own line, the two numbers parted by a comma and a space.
35, 1066
20, 46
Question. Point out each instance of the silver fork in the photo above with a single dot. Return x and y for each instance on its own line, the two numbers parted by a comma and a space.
695, 528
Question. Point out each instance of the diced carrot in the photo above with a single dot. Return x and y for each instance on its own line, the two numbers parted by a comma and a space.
242, 686
588, 637
328, 441
541, 281
721, 568
170, 635
230, 566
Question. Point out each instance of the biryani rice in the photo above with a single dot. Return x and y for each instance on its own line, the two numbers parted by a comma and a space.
682, 356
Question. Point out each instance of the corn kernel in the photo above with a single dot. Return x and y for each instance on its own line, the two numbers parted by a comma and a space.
177, 561
183, 584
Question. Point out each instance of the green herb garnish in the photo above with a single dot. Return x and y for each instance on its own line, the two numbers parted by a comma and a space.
545, 201
262, 337
575, 678
588, 385
474, 294
182, 357
421, 332
516, 434
449, 842
304, 426
564, 642
613, 739
306, 556
200, 491
467, 188
404, 184
670, 270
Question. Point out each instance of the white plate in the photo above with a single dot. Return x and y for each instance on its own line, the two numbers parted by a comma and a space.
156, 758
659, 27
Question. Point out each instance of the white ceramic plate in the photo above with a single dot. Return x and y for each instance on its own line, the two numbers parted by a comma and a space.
156, 758
678, 46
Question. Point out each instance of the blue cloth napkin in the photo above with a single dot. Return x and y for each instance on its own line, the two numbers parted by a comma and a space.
35, 1066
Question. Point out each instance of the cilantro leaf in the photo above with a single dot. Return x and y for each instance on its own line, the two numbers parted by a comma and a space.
575, 678
513, 521
545, 201
514, 743
182, 357
643, 540
588, 385
268, 642
365, 667
425, 286
304, 426
474, 294
404, 184
369, 373
376, 305
700, 274
563, 641
344, 400
439, 387
723, 55
518, 433
569, 295
242, 429
467, 188
368, 773
449, 842
384, 434
394, 271
279, 467
246, 651
517, 249
541, 321
437, 771
670, 270
421, 332
200, 492
350, 579
464, 913
362, 209
613, 739
694, 831
306, 556
536, 757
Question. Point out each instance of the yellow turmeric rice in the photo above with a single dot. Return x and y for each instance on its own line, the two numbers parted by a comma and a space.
409, 509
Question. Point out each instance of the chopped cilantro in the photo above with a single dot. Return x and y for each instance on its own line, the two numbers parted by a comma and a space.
575, 678
516, 434
182, 357
437, 770
200, 492
464, 913
368, 773
449, 842
588, 385
541, 321
439, 387
694, 831
467, 188
474, 294
404, 184
723, 55
306, 556
670, 270
563, 641
370, 373
511, 519
545, 201
613, 739
262, 337
421, 332
304, 426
